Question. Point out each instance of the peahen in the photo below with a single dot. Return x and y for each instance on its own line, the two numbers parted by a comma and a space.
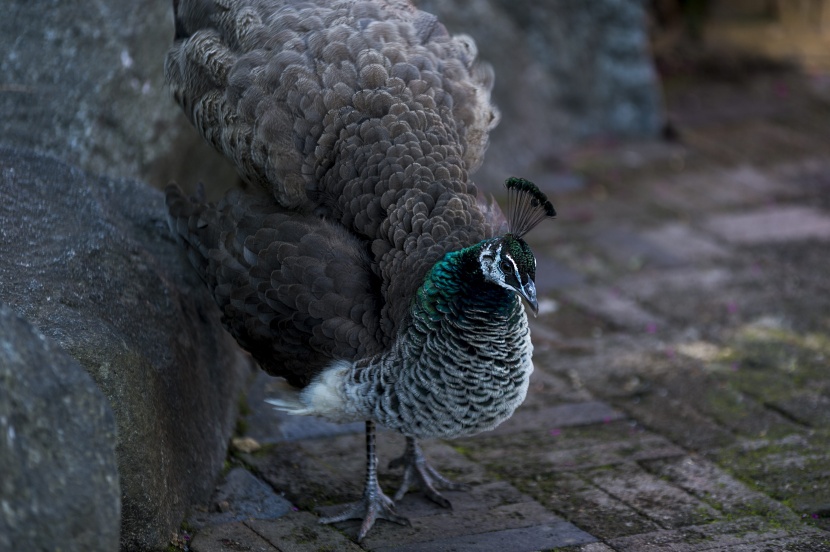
370, 274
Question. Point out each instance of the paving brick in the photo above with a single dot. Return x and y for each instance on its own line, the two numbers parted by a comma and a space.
579, 255
753, 533
771, 225
567, 449
612, 306
547, 388
677, 420
553, 275
526, 539
708, 482
711, 190
632, 250
587, 506
559, 416
793, 469
692, 294
729, 407
518, 454
480, 497
655, 498
452, 523
762, 140
648, 285
302, 532
592, 547
486, 507
230, 537
241, 496
315, 472
807, 407
684, 244
494, 506
308, 480
789, 543
806, 177
635, 448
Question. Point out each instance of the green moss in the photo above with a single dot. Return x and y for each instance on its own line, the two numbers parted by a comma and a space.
461, 449
760, 375
760, 508
792, 471
304, 535
776, 362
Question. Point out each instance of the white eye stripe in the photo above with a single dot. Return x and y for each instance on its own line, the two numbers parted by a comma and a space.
506, 258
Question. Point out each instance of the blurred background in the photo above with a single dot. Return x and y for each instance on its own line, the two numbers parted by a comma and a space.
576, 81
573, 79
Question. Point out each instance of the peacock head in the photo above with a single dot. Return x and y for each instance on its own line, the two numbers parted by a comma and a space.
507, 260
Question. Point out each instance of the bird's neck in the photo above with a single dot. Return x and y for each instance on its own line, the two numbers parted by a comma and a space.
459, 365
455, 290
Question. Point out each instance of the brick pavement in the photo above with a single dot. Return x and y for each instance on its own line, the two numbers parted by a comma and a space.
681, 399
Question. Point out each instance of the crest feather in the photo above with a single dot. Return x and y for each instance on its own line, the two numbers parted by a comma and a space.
527, 206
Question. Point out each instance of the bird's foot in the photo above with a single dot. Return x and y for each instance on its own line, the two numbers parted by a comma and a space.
373, 506
418, 470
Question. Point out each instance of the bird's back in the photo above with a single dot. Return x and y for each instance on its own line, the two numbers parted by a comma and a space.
367, 113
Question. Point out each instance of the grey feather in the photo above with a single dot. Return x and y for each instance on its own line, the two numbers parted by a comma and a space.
352, 110
295, 290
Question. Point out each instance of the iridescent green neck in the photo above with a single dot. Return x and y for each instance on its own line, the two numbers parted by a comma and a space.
456, 283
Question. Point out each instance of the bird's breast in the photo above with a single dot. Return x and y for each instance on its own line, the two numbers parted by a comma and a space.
459, 381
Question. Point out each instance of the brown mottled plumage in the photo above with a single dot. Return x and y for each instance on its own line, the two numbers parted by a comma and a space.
356, 111
295, 290
361, 121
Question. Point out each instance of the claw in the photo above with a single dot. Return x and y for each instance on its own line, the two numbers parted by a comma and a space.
374, 504
417, 469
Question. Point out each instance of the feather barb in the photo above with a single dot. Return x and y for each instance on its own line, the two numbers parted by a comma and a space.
527, 206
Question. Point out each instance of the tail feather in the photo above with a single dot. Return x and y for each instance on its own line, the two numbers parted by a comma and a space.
291, 406
287, 399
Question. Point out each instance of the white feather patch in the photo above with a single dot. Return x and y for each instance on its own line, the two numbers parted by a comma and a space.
287, 397
324, 396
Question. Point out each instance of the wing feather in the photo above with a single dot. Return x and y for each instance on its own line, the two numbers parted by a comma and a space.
295, 290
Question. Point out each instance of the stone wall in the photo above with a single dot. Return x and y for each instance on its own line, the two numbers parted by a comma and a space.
118, 386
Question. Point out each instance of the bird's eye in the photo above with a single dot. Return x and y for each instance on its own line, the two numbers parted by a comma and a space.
506, 267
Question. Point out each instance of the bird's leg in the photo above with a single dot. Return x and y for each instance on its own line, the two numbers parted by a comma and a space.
417, 469
374, 505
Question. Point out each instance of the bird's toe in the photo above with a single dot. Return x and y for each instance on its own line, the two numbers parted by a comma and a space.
418, 470
372, 507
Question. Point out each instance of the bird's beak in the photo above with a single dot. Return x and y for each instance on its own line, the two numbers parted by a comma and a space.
528, 291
